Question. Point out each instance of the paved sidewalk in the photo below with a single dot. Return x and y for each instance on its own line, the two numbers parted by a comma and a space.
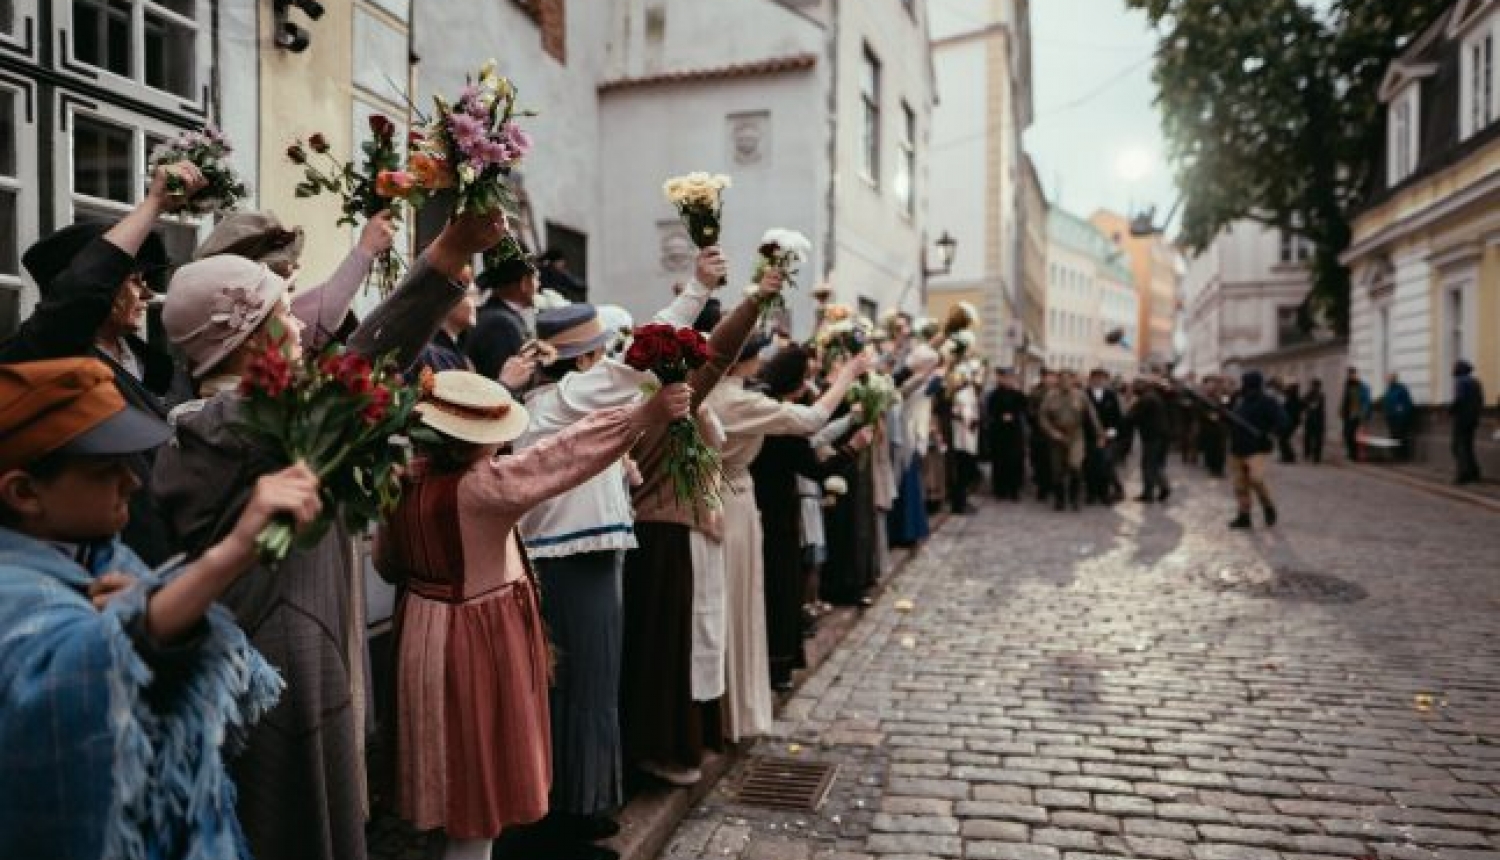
1141, 682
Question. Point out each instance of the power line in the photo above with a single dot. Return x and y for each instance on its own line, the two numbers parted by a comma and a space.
1097, 91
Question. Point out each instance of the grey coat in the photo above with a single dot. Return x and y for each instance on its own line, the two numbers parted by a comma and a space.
300, 779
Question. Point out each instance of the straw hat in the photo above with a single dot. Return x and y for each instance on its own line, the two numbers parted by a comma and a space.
470, 408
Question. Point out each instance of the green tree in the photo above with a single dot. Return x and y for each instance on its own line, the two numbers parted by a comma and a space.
1271, 114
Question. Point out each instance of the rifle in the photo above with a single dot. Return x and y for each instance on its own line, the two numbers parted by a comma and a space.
1180, 387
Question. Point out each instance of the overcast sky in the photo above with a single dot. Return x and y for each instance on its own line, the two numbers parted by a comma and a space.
1097, 139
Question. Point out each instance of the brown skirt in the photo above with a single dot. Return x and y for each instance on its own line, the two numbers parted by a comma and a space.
661, 722
474, 741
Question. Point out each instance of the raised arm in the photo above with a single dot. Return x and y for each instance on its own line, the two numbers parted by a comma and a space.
323, 308
686, 306
509, 485
405, 322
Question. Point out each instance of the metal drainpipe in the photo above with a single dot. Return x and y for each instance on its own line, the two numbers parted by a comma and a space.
831, 234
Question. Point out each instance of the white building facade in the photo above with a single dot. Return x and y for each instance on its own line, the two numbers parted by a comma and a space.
1241, 299
981, 50
1090, 293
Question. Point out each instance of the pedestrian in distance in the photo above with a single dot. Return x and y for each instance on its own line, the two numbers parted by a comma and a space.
1354, 411
1468, 403
1257, 420
1006, 410
1314, 422
1148, 415
1399, 412
1064, 413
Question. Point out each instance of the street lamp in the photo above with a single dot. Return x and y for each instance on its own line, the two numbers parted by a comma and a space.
947, 247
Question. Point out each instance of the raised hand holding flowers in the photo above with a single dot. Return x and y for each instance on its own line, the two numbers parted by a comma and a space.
698, 198
336, 413
208, 150
372, 192
671, 354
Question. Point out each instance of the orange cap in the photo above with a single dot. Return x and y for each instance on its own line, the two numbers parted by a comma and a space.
46, 406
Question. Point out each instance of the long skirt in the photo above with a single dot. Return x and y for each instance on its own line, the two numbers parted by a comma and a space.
661, 722
853, 552
581, 604
747, 711
473, 746
907, 520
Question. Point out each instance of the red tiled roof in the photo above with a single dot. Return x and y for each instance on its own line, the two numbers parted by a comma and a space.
794, 62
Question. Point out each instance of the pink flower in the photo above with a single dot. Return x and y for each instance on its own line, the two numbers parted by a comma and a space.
467, 131
520, 141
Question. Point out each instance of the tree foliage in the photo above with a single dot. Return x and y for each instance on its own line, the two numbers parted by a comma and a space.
1272, 114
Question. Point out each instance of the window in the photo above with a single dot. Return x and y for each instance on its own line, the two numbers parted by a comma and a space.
1404, 130
1455, 346
18, 206
1295, 248
869, 308
1288, 331
869, 92
1478, 88
105, 177
906, 164
1383, 341
152, 44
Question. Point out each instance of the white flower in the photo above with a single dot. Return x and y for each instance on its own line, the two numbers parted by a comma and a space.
836, 485
790, 242
547, 300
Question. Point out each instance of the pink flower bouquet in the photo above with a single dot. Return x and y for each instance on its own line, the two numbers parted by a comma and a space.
471, 146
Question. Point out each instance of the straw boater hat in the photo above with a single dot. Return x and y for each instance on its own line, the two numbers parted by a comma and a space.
470, 408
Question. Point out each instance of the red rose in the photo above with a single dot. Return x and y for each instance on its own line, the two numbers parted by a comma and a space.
380, 402
671, 350
642, 354
268, 374
381, 126
296, 154
318, 143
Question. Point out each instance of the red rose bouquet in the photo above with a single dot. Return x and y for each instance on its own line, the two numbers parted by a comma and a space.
364, 192
335, 412
671, 353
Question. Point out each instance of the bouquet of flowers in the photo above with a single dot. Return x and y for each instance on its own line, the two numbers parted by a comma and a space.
471, 146
874, 394
363, 192
336, 412
959, 343
699, 203
961, 317
671, 353
784, 251
208, 149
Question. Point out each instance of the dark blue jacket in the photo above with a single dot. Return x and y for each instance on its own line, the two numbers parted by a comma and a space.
1260, 418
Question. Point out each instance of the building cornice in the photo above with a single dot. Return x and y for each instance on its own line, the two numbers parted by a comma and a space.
771, 66
1481, 193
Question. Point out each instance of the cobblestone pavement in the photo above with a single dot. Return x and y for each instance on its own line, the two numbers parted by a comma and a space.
1142, 682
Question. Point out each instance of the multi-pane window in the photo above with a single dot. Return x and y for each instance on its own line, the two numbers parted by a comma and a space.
107, 176
869, 91
149, 42
1481, 82
906, 165
18, 203
1295, 248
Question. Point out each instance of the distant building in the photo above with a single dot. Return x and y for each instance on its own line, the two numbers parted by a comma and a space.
1425, 251
819, 111
1157, 268
1090, 293
1033, 318
981, 50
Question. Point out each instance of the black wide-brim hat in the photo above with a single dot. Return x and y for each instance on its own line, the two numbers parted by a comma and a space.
503, 273
49, 257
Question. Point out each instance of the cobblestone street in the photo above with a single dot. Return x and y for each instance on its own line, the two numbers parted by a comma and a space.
1142, 682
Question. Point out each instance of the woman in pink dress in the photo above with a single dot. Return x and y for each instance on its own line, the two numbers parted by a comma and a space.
473, 745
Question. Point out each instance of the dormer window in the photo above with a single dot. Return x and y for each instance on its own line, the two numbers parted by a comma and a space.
1478, 105
1403, 129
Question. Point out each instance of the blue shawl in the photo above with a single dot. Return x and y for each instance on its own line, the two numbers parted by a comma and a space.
100, 759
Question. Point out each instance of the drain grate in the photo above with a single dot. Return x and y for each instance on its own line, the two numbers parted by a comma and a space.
1284, 584
781, 783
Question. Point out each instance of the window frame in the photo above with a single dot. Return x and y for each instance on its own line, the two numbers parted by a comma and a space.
1403, 134
906, 161
869, 97
24, 40
67, 63
1296, 249
1479, 92
27, 227
66, 200
1457, 330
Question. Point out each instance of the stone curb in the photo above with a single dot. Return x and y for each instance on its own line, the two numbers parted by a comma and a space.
1430, 487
